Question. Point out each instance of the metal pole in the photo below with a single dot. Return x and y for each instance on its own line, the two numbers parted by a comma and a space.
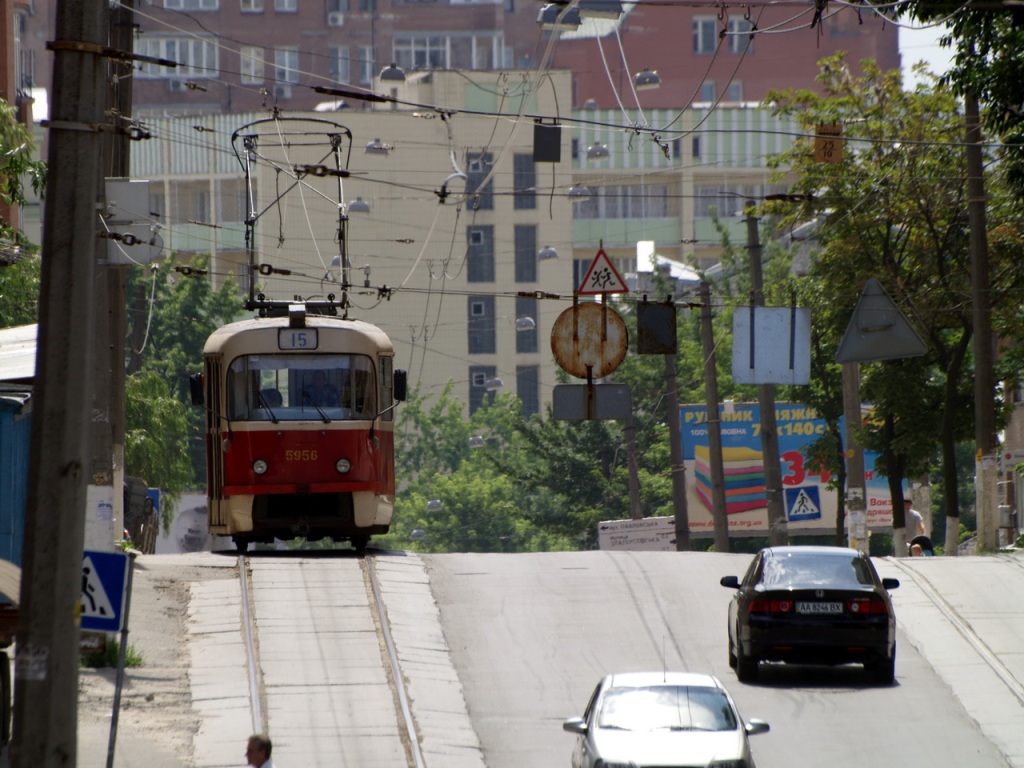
119, 684
718, 511
46, 689
676, 456
778, 534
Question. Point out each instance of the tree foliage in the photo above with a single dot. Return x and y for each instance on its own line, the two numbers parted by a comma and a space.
895, 210
16, 167
171, 318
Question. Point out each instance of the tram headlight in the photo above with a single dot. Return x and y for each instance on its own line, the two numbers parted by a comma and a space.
260, 467
343, 466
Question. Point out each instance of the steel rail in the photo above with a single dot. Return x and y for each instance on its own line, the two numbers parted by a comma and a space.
258, 725
396, 670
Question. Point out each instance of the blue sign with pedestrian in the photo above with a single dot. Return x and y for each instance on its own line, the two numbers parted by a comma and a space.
803, 503
104, 576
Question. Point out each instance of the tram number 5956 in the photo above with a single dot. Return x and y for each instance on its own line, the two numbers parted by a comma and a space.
297, 455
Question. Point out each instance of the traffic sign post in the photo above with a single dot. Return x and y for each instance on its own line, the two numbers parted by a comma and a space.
104, 581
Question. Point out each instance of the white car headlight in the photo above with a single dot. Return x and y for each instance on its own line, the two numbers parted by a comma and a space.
260, 467
343, 466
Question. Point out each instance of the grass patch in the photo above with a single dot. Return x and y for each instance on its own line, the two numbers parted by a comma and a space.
111, 656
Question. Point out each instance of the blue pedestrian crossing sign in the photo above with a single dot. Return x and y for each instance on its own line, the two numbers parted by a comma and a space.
803, 503
104, 576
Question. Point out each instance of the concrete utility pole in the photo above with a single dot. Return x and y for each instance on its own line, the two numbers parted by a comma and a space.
778, 534
46, 689
105, 500
856, 484
986, 496
718, 510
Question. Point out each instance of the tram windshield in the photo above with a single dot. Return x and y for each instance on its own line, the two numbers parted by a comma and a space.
301, 387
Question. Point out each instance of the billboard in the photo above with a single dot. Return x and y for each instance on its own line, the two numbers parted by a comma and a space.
810, 506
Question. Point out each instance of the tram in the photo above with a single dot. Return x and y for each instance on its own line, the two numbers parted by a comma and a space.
299, 427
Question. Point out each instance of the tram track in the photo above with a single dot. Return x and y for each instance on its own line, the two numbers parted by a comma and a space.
333, 639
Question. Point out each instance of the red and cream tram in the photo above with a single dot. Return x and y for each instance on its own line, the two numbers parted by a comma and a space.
300, 428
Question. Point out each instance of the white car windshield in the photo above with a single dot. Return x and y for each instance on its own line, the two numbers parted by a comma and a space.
666, 707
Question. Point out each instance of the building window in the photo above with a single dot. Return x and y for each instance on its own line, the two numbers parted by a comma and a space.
196, 57
251, 6
337, 6
340, 65
481, 333
627, 201
705, 34
192, 5
526, 340
286, 64
252, 64
478, 166
286, 6
367, 58
231, 200
478, 394
707, 91
524, 180
735, 91
526, 253
739, 36
367, 6
480, 254
528, 388
725, 200
421, 51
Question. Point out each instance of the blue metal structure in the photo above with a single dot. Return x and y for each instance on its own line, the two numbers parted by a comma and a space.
15, 439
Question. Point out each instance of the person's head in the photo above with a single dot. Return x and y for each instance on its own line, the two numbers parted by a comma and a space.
257, 750
907, 504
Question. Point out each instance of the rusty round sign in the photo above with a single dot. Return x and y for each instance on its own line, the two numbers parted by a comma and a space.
589, 337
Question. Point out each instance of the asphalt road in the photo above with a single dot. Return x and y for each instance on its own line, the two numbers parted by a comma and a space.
530, 635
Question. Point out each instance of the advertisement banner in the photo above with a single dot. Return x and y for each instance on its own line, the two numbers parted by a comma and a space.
811, 507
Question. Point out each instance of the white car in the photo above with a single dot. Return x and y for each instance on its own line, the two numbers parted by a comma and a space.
664, 719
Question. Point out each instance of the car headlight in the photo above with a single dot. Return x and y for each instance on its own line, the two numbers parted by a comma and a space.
260, 467
343, 466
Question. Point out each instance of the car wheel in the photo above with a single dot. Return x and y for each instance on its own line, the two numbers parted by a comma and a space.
746, 667
732, 655
883, 671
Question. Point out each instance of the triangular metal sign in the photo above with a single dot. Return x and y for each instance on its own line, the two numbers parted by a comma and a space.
602, 277
878, 330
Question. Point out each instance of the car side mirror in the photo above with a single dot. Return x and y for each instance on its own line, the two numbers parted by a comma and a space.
890, 583
755, 725
732, 582
575, 725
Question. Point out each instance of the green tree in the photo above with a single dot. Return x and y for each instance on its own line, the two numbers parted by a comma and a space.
16, 167
19, 289
894, 209
166, 333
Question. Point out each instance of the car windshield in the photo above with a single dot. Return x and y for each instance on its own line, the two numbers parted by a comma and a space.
825, 570
666, 707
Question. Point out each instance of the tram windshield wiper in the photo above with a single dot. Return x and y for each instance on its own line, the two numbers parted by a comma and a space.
305, 397
265, 404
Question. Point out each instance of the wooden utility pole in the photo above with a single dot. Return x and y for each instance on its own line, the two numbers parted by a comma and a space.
778, 534
986, 499
718, 510
46, 689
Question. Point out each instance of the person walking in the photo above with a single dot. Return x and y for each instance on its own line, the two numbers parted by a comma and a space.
913, 521
257, 751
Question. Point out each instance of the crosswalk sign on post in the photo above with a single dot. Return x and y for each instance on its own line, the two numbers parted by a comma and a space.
602, 277
104, 576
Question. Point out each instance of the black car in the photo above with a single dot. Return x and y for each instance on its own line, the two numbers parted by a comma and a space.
812, 605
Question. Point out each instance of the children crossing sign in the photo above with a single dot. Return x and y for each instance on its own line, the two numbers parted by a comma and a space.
104, 575
602, 277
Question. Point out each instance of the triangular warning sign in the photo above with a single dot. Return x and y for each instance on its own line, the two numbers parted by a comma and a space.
95, 601
602, 277
878, 330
